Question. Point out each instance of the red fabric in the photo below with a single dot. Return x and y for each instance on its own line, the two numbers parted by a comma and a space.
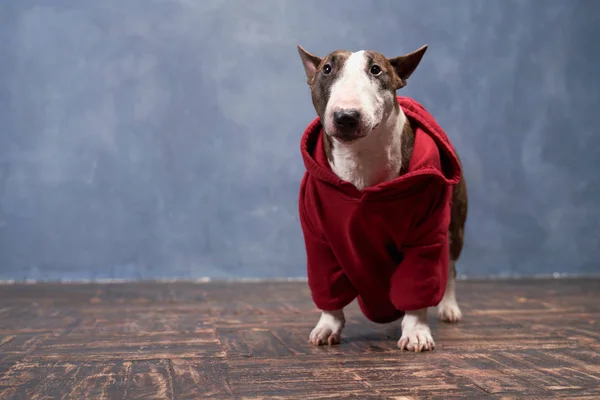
386, 245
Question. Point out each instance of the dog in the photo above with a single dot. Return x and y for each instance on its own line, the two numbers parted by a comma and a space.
383, 202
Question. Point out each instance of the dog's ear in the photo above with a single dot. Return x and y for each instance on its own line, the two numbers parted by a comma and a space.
310, 62
405, 65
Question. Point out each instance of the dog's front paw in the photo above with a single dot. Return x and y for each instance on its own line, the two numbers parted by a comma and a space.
328, 329
325, 335
417, 339
416, 335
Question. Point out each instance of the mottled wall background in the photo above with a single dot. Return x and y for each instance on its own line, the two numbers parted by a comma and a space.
145, 138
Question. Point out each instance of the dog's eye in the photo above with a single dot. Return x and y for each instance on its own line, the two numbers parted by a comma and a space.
375, 70
327, 69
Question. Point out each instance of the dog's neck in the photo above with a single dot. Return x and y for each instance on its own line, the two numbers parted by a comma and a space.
379, 157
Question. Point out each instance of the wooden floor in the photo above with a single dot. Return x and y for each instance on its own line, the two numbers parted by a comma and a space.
519, 339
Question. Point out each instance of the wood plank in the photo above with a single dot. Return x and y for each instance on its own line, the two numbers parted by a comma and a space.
201, 379
21, 344
202, 343
519, 339
298, 378
100, 380
150, 379
37, 380
254, 342
415, 379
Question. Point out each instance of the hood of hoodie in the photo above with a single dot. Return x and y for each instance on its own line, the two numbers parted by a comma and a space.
433, 156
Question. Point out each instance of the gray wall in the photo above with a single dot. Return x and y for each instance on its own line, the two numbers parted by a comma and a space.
145, 138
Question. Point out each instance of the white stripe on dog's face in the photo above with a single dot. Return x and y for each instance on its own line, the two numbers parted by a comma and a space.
356, 89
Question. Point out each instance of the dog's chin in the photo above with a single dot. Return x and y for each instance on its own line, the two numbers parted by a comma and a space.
346, 138
351, 136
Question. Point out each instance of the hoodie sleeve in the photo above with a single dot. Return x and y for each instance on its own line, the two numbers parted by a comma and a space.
420, 279
329, 285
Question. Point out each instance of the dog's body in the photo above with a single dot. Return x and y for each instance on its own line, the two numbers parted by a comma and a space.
369, 141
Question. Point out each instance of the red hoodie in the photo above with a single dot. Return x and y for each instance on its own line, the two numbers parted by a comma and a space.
386, 245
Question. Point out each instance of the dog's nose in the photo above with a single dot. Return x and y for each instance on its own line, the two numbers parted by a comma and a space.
346, 119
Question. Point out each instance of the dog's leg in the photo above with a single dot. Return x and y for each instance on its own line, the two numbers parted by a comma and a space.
416, 335
448, 309
329, 328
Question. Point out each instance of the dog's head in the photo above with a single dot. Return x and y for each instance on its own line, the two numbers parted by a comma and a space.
355, 92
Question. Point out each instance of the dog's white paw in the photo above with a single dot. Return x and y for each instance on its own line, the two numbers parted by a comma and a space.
417, 338
328, 329
449, 311
325, 335
416, 335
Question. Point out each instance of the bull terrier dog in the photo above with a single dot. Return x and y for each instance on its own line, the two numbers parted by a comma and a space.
383, 201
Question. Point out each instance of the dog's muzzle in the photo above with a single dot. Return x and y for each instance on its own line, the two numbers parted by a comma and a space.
347, 124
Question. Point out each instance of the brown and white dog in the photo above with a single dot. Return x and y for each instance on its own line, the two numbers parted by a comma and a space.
368, 141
